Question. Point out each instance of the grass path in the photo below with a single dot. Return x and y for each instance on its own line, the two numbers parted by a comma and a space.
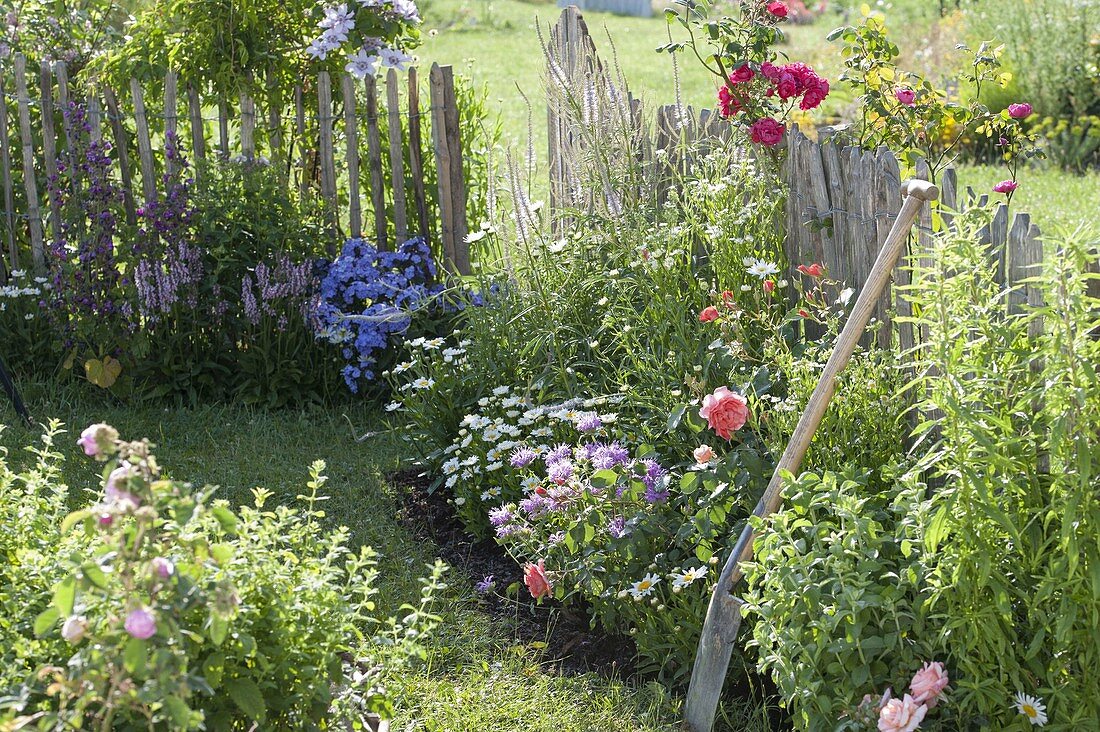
478, 677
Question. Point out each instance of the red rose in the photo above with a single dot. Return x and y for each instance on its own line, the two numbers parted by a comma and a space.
787, 86
766, 131
708, 314
728, 297
534, 576
814, 270
742, 74
770, 71
728, 105
769, 286
777, 8
725, 412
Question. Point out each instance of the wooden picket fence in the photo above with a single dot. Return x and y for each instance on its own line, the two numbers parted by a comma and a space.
318, 138
842, 200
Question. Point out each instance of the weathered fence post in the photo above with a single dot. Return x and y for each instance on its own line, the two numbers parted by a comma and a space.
397, 157
30, 184
328, 166
351, 133
374, 162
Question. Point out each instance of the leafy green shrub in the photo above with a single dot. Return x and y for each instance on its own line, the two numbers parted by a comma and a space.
1013, 539
835, 592
159, 606
1071, 143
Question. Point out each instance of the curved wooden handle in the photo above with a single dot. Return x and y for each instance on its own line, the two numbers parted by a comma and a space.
922, 189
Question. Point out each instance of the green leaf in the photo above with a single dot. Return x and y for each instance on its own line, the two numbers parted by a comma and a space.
45, 621
213, 668
134, 655
222, 553
179, 711
64, 595
226, 519
73, 519
219, 628
248, 697
604, 478
94, 574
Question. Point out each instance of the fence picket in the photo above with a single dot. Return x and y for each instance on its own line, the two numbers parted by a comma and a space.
328, 164
374, 163
5, 171
30, 184
171, 115
123, 149
458, 177
49, 145
248, 126
223, 127
443, 167
95, 115
198, 127
145, 146
416, 157
61, 72
397, 156
351, 133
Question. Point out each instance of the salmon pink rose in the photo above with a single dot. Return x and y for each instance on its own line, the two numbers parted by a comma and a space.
534, 576
929, 683
703, 454
812, 270
708, 314
901, 715
725, 412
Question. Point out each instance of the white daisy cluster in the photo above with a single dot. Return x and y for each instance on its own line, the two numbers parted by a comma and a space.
338, 27
19, 289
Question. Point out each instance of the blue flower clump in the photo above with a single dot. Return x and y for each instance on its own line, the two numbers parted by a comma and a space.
368, 298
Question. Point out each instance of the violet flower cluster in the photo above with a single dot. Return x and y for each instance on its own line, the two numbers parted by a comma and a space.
368, 297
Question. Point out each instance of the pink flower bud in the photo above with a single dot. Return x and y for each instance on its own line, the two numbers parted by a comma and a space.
1006, 186
1019, 111
163, 567
74, 629
703, 454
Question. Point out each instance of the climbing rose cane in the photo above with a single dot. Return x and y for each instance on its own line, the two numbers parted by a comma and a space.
725, 412
534, 576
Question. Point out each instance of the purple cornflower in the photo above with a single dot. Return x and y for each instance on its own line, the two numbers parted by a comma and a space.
560, 471
588, 451
653, 495
589, 422
486, 585
522, 456
561, 452
617, 527
506, 530
556, 538
608, 456
653, 472
500, 516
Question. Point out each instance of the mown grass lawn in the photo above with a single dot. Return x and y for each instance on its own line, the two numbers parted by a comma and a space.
477, 676
495, 42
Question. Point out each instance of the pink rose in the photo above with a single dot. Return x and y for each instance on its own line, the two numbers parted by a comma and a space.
769, 286
901, 715
770, 71
534, 576
74, 629
708, 314
725, 412
816, 91
814, 270
1019, 111
116, 492
703, 454
928, 683
141, 624
787, 86
777, 8
766, 131
1005, 186
906, 96
742, 74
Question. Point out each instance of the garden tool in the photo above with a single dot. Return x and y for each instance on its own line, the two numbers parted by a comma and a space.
723, 618
13, 393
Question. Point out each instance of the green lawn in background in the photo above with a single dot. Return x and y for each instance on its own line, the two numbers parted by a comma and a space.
495, 43
478, 675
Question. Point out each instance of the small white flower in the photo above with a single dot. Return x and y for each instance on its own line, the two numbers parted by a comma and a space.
494, 466
845, 295
644, 586
402, 367
501, 391
393, 406
685, 577
760, 269
423, 383
361, 64
1031, 707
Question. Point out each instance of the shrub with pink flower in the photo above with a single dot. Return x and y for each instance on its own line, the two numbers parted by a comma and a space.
725, 412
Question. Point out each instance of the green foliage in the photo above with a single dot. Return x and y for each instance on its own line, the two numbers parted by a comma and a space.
1050, 47
175, 611
835, 591
73, 32
1073, 143
1012, 551
905, 112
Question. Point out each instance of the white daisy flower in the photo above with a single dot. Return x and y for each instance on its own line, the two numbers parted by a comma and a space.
1031, 707
686, 577
393, 406
423, 383
501, 391
644, 586
760, 269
